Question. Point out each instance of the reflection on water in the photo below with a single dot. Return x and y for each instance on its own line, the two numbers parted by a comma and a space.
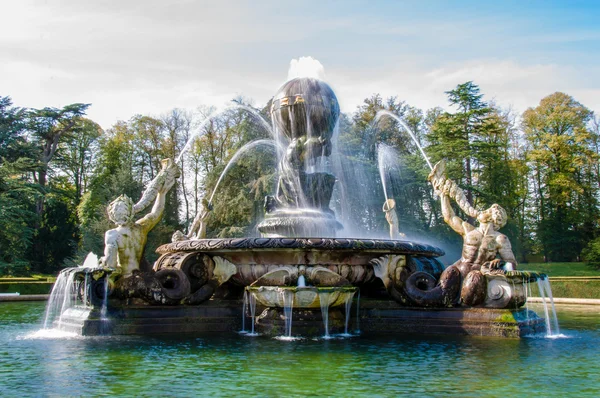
226, 365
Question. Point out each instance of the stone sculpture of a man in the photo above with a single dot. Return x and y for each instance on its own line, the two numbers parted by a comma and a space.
483, 243
124, 245
389, 208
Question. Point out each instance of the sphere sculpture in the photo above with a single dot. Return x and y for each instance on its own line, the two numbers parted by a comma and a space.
305, 112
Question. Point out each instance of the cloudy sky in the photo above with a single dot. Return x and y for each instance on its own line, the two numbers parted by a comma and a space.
129, 57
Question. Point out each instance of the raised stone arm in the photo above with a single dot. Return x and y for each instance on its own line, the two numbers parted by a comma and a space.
158, 188
448, 189
124, 245
456, 223
443, 185
166, 177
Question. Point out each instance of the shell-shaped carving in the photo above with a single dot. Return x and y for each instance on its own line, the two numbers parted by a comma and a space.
385, 267
223, 269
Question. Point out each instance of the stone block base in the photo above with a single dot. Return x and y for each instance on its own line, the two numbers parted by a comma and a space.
375, 317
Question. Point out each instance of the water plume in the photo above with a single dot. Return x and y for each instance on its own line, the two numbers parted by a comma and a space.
306, 67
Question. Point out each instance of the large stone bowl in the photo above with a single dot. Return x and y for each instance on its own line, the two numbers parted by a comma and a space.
253, 257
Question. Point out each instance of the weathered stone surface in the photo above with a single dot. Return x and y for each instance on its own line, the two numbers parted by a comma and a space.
331, 244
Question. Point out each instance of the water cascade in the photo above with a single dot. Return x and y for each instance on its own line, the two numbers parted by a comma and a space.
325, 300
288, 306
357, 326
62, 297
546, 295
252, 302
104, 319
347, 317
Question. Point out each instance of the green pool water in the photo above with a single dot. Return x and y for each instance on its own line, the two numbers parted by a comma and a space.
236, 365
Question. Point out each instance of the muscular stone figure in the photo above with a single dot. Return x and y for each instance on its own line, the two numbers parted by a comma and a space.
124, 245
482, 244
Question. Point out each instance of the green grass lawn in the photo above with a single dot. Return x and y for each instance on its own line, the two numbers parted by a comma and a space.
561, 269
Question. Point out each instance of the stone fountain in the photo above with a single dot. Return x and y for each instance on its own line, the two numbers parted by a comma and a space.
298, 268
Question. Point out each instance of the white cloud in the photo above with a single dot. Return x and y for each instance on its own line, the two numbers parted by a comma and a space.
508, 83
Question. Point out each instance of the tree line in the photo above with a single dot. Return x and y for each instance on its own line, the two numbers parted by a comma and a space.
59, 170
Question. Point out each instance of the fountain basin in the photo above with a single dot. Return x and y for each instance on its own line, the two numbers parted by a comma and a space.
254, 257
303, 297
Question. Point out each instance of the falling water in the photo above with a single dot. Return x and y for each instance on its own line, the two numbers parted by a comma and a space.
104, 320
85, 289
301, 281
244, 311
357, 330
235, 158
546, 291
348, 308
218, 112
252, 302
387, 113
62, 297
104, 308
288, 305
324, 299
547, 317
548, 294
526, 290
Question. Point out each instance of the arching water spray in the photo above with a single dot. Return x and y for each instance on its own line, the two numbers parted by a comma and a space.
199, 131
235, 158
387, 113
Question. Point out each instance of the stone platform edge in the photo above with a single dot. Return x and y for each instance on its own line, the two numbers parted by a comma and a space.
24, 297
560, 300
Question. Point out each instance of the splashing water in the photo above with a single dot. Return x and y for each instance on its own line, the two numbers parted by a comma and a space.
306, 67
387, 160
62, 297
380, 114
50, 334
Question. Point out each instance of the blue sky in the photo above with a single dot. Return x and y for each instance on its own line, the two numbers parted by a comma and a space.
128, 57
